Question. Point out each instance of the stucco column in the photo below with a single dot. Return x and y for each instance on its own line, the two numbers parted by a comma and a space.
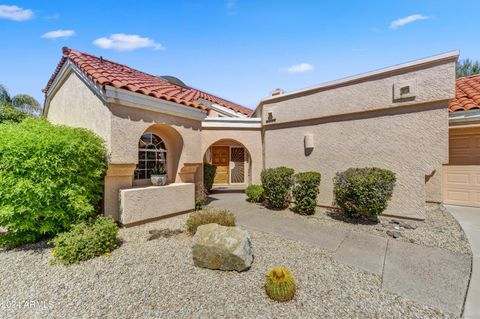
119, 176
193, 173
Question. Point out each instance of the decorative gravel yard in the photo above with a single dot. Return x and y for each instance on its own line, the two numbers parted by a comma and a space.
157, 279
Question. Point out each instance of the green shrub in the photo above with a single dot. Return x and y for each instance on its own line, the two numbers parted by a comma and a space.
276, 184
51, 176
85, 241
209, 171
363, 191
9, 114
305, 192
221, 217
254, 193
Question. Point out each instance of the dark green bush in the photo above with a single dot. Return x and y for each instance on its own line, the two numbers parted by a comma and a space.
254, 193
85, 241
363, 191
9, 114
209, 171
51, 177
305, 192
276, 183
204, 217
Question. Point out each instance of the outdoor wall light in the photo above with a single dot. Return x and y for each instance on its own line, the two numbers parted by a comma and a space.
308, 143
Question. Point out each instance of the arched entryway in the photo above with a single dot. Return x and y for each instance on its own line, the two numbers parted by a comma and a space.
233, 161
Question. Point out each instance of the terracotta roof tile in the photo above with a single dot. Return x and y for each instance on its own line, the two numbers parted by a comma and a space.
467, 94
104, 72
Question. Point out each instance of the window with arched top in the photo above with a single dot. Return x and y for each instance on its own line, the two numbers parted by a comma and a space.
152, 152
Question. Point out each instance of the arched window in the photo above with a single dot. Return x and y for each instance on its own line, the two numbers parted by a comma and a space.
151, 152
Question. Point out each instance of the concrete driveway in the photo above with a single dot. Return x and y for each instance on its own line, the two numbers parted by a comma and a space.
428, 275
469, 219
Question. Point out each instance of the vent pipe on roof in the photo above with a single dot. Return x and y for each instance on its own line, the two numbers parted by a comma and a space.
277, 92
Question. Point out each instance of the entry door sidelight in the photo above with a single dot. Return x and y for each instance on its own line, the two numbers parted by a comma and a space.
237, 170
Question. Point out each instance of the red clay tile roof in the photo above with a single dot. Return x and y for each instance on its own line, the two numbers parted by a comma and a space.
104, 72
467, 94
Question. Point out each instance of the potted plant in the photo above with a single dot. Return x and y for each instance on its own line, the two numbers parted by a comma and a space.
159, 175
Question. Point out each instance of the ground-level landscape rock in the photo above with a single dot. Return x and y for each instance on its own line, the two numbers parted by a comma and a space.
220, 247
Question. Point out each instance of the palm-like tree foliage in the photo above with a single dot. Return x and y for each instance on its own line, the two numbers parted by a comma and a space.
18, 107
467, 67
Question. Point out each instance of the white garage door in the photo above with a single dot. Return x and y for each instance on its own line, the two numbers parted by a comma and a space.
461, 178
461, 185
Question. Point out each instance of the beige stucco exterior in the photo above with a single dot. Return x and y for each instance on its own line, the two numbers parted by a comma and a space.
149, 203
359, 124
74, 104
355, 122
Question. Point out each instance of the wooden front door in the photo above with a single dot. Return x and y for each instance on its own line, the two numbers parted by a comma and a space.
221, 158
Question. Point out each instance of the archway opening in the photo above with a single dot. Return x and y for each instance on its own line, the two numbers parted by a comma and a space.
159, 145
233, 161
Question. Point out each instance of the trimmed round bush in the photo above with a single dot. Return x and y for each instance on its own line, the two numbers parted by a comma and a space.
85, 241
276, 183
254, 193
51, 177
363, 191
305, 192
207, 216
209, 171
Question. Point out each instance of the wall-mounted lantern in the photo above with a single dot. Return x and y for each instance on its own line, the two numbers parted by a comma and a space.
308, 143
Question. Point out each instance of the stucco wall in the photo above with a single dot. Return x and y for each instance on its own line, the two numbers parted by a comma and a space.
74, 104
182, 135
359, 125
147, 203
251, 139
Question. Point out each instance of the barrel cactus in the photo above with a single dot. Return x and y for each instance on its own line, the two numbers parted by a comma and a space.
279, 284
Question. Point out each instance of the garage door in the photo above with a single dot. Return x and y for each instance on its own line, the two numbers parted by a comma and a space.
461, 178
461, 185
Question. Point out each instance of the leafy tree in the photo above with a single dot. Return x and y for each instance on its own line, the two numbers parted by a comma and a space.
18, 107
467, 67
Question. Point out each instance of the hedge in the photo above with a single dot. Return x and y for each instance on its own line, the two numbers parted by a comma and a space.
276, 183
305, 192
363, 191
85, 241
209, 171
255, 193
51, 177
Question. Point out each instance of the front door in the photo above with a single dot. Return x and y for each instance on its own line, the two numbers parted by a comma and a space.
221, 158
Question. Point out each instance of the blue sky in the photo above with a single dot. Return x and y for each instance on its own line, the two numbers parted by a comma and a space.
237, 49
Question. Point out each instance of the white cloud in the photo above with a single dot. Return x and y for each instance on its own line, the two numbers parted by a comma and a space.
403, 21
359, 49
53, 17
299, 68
58, 34
126, 42
15, 13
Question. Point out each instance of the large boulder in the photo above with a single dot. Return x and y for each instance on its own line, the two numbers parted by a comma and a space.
220, 247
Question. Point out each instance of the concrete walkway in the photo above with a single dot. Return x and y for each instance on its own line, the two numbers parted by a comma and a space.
469, 219
432, 276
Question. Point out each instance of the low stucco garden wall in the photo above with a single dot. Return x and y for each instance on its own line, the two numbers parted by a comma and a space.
149, 203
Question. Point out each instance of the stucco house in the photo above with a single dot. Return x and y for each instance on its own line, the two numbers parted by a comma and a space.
396, 118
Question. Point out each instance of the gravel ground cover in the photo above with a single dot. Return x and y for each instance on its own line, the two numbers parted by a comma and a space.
156, 278
439, 229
